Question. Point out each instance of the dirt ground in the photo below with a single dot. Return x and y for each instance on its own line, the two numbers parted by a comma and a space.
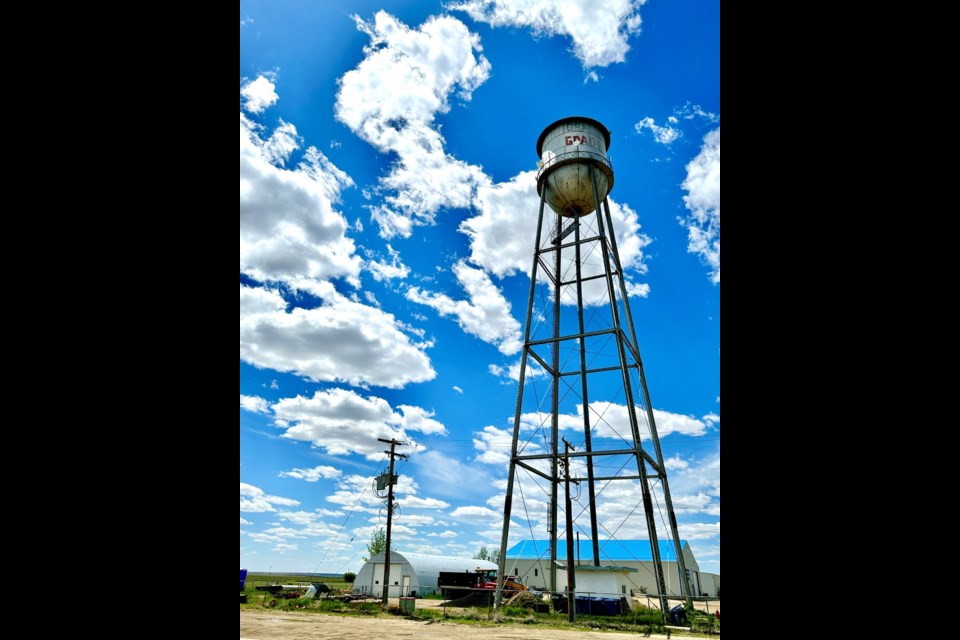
283, 625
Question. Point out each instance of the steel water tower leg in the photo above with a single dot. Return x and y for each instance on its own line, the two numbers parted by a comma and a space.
585, 396
555, 407
631, 408
508, 501
675, 534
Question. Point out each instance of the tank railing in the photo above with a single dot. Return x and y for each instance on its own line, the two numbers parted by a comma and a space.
568, 156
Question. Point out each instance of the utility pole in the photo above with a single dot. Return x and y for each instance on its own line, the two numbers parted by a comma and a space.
390, 481
571, 578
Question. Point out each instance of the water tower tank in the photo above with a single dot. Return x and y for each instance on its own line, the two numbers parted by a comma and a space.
567, 149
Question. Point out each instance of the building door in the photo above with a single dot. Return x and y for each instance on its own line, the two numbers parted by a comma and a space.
377, 587
406, 586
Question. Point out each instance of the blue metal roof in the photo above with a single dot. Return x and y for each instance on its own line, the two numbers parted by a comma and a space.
610, 550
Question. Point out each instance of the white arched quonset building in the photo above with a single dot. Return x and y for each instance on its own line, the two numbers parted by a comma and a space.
411, 574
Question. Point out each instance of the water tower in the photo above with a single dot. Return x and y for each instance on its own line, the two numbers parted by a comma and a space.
580, 369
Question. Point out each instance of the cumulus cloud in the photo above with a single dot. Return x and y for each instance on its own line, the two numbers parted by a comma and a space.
418, 419
458, 389
416, 502
341, 340
511, 373
288, 225
493, 445
599, 29
254, 404
691, 111
254, 499
391, 99
355, 490
341, 421
702, 185
611, 420
641, 290
502, 235
314, 474
258, 94
664, 135
479, 515
485, 314
676, 463
394, 269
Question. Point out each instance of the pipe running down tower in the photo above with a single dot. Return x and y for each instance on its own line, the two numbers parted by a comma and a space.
580, 369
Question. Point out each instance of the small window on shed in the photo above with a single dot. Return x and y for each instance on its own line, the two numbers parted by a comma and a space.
536, 572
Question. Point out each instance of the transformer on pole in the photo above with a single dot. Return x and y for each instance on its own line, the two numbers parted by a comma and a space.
580, 368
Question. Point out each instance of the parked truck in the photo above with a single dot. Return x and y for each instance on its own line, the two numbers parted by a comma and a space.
454, 584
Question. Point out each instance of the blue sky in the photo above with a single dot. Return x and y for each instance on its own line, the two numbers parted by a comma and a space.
387, 217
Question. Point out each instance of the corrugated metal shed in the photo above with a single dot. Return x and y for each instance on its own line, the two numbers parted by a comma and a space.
423, 571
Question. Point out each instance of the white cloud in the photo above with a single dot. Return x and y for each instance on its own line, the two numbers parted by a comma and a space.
253, 499
286, 547
610, 420
381, 270
288, 226
698, 530
690, 111
702, 185
494, 444
503, 234
675, 463
342, 421
254, 404
415, 520
341, 340
244, 520
664, 135
417, 419
258, 94
511, 373
391, 99
264, 537
458, 389
635, 290
592, 76
599, 28
312, 475
480, 515
444, 534
356, 490
416, 502
699, 476
486, 314
281, 144
307, 523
